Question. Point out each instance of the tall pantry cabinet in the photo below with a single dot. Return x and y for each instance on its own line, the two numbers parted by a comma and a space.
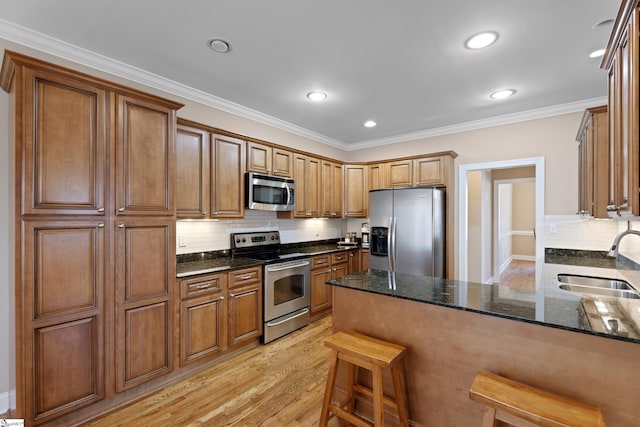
94, 237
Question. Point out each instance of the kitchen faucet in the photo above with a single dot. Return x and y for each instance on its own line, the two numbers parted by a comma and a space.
613, 252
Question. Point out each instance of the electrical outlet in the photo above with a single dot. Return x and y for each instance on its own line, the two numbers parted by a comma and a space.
553, 229
181, 242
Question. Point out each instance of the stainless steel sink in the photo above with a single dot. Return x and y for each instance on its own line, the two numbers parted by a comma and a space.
597, 286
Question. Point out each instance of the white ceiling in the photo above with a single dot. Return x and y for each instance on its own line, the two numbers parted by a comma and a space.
401, 63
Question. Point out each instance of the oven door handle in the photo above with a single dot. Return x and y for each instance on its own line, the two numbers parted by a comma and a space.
302, 313
280, 267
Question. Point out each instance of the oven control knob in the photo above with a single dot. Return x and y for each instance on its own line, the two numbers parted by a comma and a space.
273, 237
237, 240
244, 240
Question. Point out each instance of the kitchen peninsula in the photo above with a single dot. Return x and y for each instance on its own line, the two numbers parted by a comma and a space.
454, 329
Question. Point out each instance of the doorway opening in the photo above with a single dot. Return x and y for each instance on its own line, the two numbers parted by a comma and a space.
492, 222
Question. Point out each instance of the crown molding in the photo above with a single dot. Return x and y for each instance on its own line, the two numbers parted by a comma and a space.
538, 113
58, 48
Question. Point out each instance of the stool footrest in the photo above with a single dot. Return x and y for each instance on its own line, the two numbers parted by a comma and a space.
369, 393
531, 404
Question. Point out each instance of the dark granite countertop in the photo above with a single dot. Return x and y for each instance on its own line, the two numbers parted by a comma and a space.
215, 261
547, 305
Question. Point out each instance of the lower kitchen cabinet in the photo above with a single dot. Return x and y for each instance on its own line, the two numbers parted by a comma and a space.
364, 259
145, 270
245, 305
63, 345
323, 268
202, 317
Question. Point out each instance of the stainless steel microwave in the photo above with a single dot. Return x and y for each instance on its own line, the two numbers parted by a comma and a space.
269, 193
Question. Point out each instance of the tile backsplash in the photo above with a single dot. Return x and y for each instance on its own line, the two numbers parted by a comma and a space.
574, 232
213, 235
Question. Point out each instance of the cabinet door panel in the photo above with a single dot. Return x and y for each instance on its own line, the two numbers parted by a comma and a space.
320, 292
146, 343
64, 147
282, 163
228, 177
428, 172
357, 195
245, 314
258, 158
202, 327
401, 173
68, 366
64, 266
192, 172
145, 258
145, 158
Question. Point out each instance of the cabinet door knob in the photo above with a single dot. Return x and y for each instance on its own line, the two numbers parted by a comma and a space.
232, 295
100, 210
100, 225
221, 298
120, 209
120, 225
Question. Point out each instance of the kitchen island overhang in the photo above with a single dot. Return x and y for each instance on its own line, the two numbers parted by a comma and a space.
454, 329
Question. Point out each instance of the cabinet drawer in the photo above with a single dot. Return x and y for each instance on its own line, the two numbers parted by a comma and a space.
202, 285
339, 257
247, 276
320, 261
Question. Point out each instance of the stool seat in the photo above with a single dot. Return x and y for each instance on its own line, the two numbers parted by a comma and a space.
522, 405
362, 351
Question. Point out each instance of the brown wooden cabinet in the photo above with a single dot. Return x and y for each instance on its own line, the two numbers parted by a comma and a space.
306, 172
63, 343
401, 173
354, 261
378, 176
320, 292
270, 160
331, 191
145, 153
202, 317
245, 305
192, 172
621, 61
65, 170
144, 272
356, 191
88, 154
364, 259
429, 171
227, 177
593, 163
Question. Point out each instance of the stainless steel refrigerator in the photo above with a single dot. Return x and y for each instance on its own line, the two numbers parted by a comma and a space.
407, 231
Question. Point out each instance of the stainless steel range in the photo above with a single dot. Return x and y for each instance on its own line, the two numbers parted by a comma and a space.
287, 284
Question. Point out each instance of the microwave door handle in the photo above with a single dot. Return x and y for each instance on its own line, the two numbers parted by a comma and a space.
288, 194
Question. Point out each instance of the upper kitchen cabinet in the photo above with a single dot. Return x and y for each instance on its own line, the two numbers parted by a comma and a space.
307, 174
63, 141
621, 61
593, 163
331, 193
378, 176
428, 171
145, 153
227, 177
356, 191
192, 172
269, 160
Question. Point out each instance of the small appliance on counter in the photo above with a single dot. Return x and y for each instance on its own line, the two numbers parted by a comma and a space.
349, 240
364, 242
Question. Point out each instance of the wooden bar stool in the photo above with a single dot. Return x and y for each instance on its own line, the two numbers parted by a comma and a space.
523, 406
361, 351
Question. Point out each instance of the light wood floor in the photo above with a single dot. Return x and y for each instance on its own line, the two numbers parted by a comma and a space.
278, 384
519, 275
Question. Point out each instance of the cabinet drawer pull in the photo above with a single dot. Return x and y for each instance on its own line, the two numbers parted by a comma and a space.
221, 298
245, 276
100, 225
120, 209
100, 210
208, 285
120, 225
232, 295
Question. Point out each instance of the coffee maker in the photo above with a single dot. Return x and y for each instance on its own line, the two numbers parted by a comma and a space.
364, 242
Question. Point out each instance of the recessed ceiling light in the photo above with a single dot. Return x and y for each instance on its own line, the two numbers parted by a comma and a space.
370, 124
596, 53
481, 40
317, 96
502, 94
219, 45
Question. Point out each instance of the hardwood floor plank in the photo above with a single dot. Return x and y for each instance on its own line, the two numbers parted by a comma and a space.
278, 384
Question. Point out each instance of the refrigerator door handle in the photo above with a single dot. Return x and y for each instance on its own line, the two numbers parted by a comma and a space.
390, 244
392, 253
